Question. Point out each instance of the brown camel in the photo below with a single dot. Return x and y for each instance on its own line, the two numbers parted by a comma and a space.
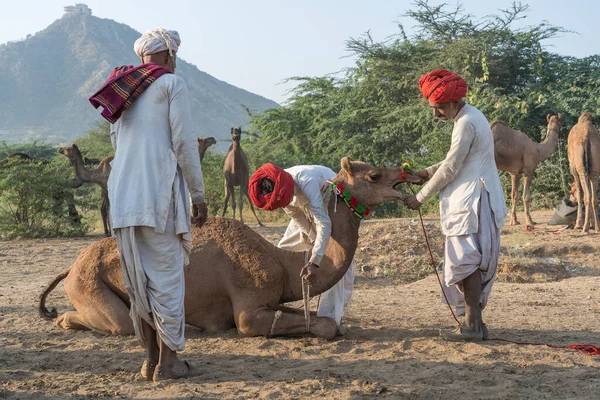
236, 172
235, 277
584, 161
518, 155
203, 145
99, 176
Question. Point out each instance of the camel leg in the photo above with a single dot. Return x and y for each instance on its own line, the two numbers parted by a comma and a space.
252, 206
227, 194
514, 195
241, 202
104, 213
233, 205
580, 199
259, 322
98, 309
588, 197
594, 194
527, 199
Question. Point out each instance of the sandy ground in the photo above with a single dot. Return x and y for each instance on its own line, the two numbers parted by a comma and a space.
548, 291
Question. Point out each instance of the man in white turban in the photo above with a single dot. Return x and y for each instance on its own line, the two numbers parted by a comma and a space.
156, 160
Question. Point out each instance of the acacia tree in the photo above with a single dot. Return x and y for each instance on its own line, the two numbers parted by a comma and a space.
374, 111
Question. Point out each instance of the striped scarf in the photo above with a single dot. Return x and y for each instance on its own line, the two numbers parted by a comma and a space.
124, 85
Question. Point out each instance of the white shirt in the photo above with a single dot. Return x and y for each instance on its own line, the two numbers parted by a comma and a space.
156, 155
308, 208
468, 167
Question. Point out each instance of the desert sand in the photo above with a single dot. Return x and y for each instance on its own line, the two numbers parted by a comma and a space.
548, 290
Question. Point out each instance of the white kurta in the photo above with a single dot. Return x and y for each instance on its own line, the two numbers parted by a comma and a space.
156, 159
472, 206
310, 229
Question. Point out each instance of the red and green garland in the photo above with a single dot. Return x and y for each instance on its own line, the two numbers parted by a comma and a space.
359, 210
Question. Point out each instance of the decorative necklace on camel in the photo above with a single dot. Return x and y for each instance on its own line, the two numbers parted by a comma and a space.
358, 209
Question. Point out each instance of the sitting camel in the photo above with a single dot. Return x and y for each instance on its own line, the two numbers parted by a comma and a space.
584, 161
235, 277
518, 155
98, 176
237, 173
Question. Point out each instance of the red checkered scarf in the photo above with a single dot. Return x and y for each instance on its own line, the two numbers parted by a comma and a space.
124, 85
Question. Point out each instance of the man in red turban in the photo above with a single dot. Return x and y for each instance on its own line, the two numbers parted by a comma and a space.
472, 207
303, 193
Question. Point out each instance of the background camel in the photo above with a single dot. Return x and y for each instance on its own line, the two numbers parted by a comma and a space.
236, 172
584, 162
99, 176
235, 277
203, 145
518, 155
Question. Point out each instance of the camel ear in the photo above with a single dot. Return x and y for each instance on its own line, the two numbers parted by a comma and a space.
231, 130
548, 118
347, 165
198, 140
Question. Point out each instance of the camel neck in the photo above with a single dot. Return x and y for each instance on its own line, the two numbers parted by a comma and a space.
547, 147
338, 255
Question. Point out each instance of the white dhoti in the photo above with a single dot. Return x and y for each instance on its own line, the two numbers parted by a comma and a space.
469, 253
153, 273
335, 300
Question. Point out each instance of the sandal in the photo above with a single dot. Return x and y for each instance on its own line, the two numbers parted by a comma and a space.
148, 370
463, 334
162, 374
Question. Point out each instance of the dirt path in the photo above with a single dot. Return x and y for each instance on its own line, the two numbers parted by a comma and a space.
391, 351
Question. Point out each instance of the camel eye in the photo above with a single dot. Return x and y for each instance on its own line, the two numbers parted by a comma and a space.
373, 177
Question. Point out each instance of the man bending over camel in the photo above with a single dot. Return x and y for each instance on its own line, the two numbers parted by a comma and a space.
303, 192
156, 159
472, 207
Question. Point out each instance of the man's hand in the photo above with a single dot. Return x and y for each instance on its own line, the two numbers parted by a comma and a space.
424, 175
200, 213
412, 202
310, 271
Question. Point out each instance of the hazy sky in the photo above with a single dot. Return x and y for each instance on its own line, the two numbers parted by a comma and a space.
255, 44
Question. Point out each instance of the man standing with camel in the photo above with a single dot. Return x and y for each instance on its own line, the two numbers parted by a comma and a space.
156, 159
303, 193
472, 207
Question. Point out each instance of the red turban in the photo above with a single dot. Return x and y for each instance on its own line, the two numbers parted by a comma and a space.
282, 193
441, 86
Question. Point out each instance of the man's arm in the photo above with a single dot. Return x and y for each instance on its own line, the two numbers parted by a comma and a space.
184, 143
113, 136
462, 139
312, 191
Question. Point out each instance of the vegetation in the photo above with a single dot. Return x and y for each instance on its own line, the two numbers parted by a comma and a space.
372, 111
375, 112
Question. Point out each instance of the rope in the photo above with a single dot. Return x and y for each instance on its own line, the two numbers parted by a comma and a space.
587, 349
306, 299
433, 259
278, 315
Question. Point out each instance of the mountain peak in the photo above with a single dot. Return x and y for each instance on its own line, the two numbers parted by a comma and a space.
50, 76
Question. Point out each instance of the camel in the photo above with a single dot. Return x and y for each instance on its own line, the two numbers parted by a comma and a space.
236, 172
235, 279
203, 145
98, 176
584, 161
518, 155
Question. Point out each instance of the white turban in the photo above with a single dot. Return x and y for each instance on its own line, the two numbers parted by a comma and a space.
155, 41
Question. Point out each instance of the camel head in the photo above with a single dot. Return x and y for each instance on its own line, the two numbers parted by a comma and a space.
585, 117
236, 134
372, 186
554, 121
204, 144
71, 152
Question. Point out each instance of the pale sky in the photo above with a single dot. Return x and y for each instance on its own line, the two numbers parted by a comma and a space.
255, 44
